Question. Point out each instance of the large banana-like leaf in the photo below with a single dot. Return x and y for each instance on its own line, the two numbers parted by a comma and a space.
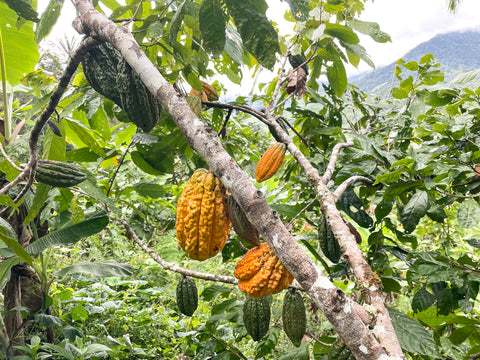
102, 269
69, 235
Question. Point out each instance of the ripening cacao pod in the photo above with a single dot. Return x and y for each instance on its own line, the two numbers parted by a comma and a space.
59, 174
202, 221
270, 161
294, 316
339, 351
260, 272
187, 296
327, 241
209, 91
200, 94
100, 69
244, 228
256, 317
137, 101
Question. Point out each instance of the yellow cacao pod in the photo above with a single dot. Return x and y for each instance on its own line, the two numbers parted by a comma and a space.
260, 273
202, 222
200, 94
270, 162
209, 91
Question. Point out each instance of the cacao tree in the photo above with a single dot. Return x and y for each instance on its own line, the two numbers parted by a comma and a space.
378, 180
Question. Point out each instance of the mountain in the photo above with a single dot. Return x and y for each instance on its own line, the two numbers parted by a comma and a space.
457, 52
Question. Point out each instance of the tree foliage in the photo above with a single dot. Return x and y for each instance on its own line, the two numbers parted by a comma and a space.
397, 179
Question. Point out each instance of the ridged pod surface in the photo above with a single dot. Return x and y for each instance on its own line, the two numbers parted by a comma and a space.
202, 222
260, 273
270, 161
294, 317
100, 69
187, 296
59, 174
137, 101
327, 241
256, 317
209, 91
244, 228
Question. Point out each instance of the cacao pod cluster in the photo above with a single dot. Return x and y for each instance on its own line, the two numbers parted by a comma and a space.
202, 222
111, 76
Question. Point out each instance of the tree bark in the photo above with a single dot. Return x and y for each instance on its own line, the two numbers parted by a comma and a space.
341, 311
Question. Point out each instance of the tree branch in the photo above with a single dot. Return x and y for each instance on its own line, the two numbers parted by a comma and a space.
172, 267
333, 161
338, 309
347, 183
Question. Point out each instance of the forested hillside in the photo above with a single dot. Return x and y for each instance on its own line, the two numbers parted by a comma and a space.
457, 52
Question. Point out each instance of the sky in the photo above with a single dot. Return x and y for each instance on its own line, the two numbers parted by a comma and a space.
408, 22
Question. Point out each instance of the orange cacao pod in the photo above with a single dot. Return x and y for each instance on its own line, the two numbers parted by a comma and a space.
202, 222
200, 94
270, 162
260, 273
209, 91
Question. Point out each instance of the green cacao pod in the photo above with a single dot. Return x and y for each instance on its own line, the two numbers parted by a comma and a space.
339, 351
327, 241
100, 68
244, 228
294, 317
136, 100
187, 296
256, 316
59, 174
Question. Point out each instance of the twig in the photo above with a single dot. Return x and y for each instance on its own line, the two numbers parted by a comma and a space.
8, 159
29, 170
280, 76
457, 196
135, 13
246, 109
301, 211
283, 101
333, 161
172, 267
350, 181
310, 334
118, 168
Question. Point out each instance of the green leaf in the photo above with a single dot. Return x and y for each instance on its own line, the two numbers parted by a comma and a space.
212, 26
41, 196
371, 29
66, 353
85, 136
359, 51
465, 77
96, 193
474, 242
468, 213
48, 19
17, 248
69, 235
341, 32
23, 9
422, 300
289, 211
300, 353
176, 22
54, 147
258, 35
415, 209
5, 267
459, 335
149, 189
20, 51
337, 77
48, 320
412, 336
102, 269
